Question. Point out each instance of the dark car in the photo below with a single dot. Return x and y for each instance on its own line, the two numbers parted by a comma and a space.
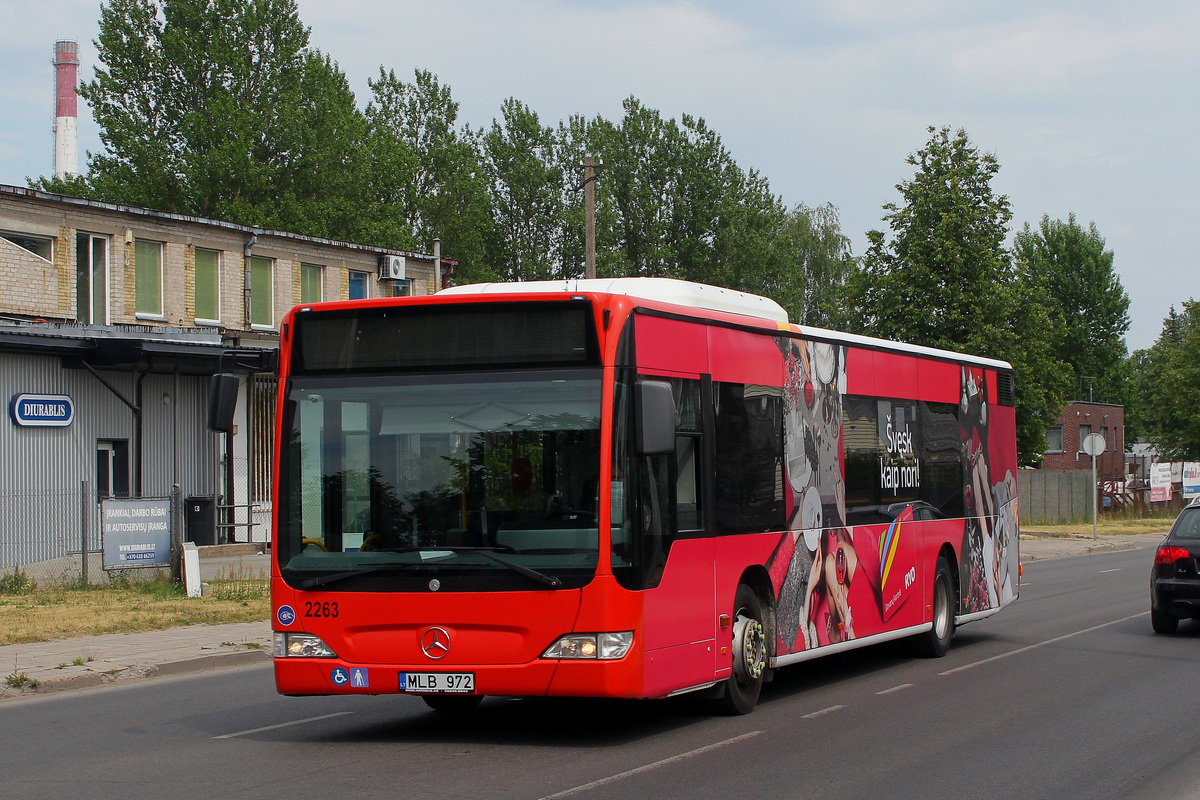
1175, 579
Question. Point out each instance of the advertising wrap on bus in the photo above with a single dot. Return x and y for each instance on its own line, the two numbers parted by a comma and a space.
623, 488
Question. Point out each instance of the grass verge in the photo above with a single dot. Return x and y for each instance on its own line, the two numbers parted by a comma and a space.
39, 613
1105, 526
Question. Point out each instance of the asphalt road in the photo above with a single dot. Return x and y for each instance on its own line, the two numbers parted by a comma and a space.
1067, 694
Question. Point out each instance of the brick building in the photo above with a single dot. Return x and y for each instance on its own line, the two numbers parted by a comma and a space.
122, 315
1064, 439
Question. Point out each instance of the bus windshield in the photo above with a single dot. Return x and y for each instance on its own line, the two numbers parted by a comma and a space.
480, 481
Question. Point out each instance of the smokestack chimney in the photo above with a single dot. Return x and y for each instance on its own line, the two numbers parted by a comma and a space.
66, 113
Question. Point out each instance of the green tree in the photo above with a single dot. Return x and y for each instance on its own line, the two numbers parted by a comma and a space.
944, 279
439, 184
1089, 306
527, 194
814, 262
1168, 382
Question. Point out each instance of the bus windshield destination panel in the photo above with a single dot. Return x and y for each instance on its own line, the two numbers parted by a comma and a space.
477, 494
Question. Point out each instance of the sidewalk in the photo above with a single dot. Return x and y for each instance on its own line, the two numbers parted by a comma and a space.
94, 660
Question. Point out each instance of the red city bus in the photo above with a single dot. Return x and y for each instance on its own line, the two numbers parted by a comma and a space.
629, 488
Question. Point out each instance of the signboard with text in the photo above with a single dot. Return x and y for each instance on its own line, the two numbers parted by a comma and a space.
1160, 482
41, 410
1191, 479
135, 532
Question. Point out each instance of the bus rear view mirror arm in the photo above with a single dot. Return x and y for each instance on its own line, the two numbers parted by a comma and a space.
655, 428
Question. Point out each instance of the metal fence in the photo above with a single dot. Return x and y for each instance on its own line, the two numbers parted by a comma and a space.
54, 536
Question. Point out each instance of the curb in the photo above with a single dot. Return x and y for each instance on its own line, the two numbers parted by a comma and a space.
86, 680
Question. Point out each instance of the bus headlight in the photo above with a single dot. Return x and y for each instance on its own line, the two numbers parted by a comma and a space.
301, 645
605, 646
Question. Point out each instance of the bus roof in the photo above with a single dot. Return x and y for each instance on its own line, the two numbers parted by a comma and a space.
713, 298
665, 290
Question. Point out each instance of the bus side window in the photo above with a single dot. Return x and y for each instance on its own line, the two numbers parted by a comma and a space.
749, 468
688, 467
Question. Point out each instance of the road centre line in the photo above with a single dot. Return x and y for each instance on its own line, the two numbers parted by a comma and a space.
1020, 650
894, 689
283, 725
1104, 571
629, 773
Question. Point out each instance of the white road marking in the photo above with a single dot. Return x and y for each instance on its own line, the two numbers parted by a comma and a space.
621, 775
1103, 571
822, 712
1041, 644
899, 688
282, 725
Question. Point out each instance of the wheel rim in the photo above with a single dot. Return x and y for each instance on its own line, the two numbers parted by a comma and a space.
941, 609
750, 648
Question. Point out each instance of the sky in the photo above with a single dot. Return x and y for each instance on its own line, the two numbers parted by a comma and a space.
1090, 108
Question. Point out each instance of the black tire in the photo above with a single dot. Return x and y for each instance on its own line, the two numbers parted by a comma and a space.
935, 642
1163, 622
452, 703
750, 653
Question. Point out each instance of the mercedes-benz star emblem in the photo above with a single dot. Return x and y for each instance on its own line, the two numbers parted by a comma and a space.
435, 642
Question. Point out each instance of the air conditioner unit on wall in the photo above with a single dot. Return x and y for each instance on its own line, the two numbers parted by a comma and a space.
391, 268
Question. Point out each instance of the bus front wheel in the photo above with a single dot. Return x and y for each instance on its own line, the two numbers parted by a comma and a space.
749, 654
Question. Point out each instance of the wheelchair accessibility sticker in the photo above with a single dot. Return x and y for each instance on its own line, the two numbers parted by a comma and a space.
355, 678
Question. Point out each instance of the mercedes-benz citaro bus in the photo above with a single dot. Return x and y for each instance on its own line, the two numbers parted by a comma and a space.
623, 488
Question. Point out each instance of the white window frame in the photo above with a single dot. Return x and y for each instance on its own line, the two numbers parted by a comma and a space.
366, 283
162, 289
91, 288
1050, 449
260, 326
320, 268
196, 276
7, 234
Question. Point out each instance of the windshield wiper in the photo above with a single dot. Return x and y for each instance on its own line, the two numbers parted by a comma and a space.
322, 580
539, 577
520, 569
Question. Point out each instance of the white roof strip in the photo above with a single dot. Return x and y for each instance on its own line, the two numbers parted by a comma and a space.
713, 298
665, 290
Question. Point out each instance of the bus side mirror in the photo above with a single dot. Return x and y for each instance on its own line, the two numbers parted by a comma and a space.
655, 421
222, 400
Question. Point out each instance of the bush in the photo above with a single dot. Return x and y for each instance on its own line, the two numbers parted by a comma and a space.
17, 582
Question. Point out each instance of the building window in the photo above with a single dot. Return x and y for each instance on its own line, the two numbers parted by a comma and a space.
358, 285
148, 278
311, 276
1054, 439
1084, 432
262, 292
41, 246
401, 288
91, 279
208, 286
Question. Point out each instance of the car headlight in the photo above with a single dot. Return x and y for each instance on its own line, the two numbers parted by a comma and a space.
301, 645
606, 646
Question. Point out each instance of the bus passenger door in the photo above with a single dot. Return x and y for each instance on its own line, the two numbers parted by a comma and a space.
679, 599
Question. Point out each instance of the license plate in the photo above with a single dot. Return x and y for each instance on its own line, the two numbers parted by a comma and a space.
437, 682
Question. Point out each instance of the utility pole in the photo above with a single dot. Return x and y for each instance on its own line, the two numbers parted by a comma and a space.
589, 214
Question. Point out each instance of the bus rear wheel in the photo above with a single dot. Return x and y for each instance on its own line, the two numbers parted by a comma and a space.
452, 703
749, 654
936, 642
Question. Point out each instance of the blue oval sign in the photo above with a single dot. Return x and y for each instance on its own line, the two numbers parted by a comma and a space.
42, 410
